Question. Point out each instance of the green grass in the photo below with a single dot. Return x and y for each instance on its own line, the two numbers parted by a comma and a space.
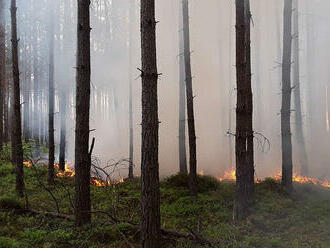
278, 220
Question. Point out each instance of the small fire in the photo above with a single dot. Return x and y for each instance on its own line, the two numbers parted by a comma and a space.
27, 164
68, 172
301, 179
201, 173
229, 176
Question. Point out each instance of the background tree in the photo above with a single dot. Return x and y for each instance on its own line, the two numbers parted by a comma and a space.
150, 219
244, 109
301, 146
286, 97
83, 78
51, 147
190, 100
2, 68
17, 150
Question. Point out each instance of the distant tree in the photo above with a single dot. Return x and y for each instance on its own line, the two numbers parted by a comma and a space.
2, 68
301, 146
131, 131
286, 97
244, 111
190, 100
150, 219
17, 150
51, 144
82, 155
182, 103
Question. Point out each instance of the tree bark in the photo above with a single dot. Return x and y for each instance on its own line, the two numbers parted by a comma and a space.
150, 220
51, 147
16, 130
82, 156
286, 98
182, 103
190, 101
2, 68
301, 146
63, 130
244, 111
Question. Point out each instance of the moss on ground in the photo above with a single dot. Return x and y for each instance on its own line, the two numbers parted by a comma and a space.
278, 220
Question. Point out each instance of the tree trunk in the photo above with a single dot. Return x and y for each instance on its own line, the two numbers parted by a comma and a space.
182, 103
150, 220
190, 101
63, 104
82, 156
286, 98
131, 133
36, 94
2, 68
244, 109
16, 130
51, 147
301, 146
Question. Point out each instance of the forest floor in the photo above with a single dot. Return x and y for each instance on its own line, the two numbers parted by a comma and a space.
301, 220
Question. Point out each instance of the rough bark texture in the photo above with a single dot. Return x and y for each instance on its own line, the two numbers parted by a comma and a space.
190, 100
150, 220
51, 147
182, 104
286, 98
131, 132
301, 146
244, 109
2, 67
82, 156
16, 130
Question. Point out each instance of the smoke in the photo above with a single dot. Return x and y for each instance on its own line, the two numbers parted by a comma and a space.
212, 24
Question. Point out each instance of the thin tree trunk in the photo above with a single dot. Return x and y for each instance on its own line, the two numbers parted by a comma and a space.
16, 130
63, 104
286, 97
131, 133
150, 220
51, 147
2, 68
301, 146
36, 95
182, 103
190, 101
244, 109
82, 156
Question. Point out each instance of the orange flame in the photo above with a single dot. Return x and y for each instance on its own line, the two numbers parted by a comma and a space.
229, 175
27, 164
201, 173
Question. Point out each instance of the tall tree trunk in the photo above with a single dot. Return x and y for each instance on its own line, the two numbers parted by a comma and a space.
83, 77
2, 68
36, 95
182, 103
131, 133
51, 147
63, 104
150, 220
286, 98
17, 130
301, 146
190, 100
244, 109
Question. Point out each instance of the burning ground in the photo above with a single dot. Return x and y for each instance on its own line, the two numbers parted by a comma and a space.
278, 220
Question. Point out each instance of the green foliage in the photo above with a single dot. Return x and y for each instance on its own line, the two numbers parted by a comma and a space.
8, 243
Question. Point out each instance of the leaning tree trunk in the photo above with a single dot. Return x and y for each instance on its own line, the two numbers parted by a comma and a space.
286, 98
182, 104
131, 131
2, 68
82, 155
190, 100
244, 131
51, 147
17, 149
150, 219
301, 146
